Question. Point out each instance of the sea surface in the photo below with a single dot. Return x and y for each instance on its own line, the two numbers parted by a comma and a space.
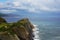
46, 29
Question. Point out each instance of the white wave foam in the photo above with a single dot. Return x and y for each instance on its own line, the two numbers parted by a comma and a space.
35, 29
35, 32
36, 36
36, 39
35, 25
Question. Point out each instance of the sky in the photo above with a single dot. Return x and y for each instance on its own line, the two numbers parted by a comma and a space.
3, 0
31, 5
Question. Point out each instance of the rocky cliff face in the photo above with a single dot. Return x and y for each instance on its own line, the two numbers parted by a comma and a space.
20, 30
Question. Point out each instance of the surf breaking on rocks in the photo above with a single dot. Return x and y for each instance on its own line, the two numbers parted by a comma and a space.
36, 32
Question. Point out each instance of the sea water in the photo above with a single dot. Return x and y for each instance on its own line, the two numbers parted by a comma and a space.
45, 30
48, 30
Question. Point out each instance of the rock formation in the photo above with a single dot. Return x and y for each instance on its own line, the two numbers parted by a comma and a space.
2, 20
20, 30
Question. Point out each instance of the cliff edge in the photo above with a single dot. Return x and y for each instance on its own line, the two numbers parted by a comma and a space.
20, 30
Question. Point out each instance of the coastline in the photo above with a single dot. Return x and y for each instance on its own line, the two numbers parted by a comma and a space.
36, 32
22, 28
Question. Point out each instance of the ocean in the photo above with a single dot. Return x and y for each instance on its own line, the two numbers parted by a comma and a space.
49, 30
45, 29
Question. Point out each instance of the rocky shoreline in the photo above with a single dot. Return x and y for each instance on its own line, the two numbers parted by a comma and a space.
20, 30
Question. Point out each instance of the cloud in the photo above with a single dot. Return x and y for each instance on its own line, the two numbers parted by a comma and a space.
47, 5
1, 4
34, 5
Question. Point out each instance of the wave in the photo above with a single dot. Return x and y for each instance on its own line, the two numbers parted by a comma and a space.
35, 25
36, 32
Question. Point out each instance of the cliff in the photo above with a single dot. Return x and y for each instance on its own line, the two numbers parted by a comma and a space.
20, 30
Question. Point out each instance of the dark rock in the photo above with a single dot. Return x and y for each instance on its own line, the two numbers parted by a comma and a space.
2, 20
